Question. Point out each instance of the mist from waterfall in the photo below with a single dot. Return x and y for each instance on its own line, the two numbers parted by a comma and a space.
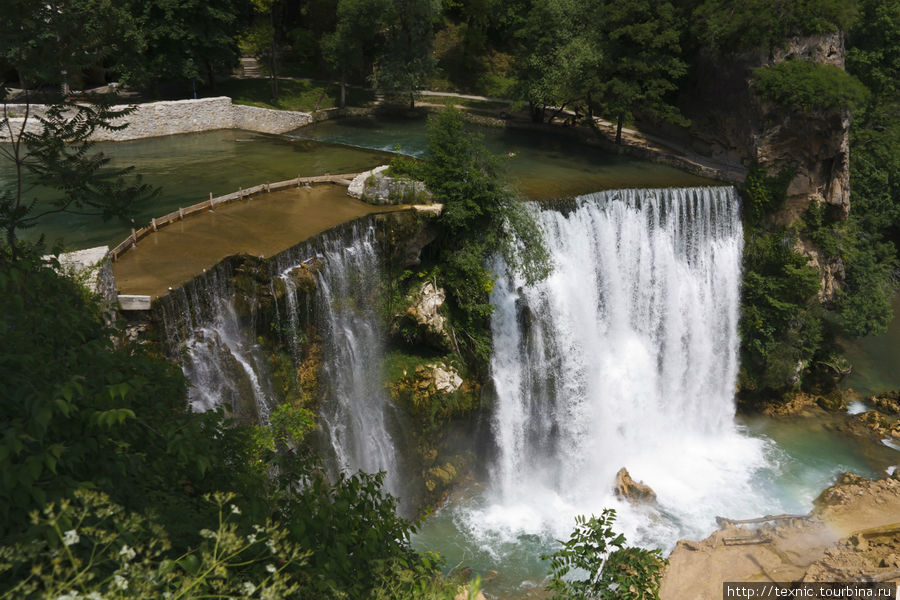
626, 356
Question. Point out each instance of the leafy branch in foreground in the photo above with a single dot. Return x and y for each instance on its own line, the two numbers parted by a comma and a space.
609, 569
56, 153
92, 548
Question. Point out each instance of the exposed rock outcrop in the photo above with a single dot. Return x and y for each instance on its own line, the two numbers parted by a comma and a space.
831, 269
636, 492
375, 187
852, 534
888, 403
423, 322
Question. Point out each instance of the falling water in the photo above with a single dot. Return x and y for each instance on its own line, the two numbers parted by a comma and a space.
226, 366
359, 421
221, 362
626, 356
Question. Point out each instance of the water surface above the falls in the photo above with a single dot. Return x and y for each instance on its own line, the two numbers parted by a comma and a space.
540, 165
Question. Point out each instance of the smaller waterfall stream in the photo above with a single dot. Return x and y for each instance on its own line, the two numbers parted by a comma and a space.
226, 366
223, 365
358, 419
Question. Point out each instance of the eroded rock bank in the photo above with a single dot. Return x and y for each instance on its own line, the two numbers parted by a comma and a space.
852, 534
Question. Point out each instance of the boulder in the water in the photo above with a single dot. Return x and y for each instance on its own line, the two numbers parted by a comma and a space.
636, 492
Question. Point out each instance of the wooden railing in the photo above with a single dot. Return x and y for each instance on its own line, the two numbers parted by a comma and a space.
178, 215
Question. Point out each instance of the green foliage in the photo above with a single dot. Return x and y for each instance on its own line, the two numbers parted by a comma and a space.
805, 86
79, 413
480, 217
641, 60
183, 40
764, 195
355, 36
91, 547
292, 94
608, 568
408, 60
729, 27
60, 156
780, 327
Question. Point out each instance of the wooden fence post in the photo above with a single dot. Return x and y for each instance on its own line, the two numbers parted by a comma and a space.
181, 213
153, 223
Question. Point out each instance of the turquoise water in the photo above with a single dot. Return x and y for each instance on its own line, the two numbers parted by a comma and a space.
188, 167
805, 457
875, 359
540, 165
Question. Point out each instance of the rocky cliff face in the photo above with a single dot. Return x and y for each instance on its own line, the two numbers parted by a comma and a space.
733, 125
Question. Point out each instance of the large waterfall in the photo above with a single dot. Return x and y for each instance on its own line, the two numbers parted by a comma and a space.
626, 356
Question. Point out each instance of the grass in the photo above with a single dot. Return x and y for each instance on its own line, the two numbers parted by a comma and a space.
293, 94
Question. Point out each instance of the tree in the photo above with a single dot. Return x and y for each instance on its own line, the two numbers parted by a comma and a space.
184, 39
346, 48
559, 59
609, 569
407, 61
641, 63
480, 218
58, 155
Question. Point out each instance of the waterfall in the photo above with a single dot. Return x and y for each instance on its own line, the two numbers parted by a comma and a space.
358, 419
625, 356
221, 362
225, 365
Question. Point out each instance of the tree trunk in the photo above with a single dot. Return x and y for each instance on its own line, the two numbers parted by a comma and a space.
343, 89
620, 118
211, 76
537, 113
412, 101
273, 60
590, 108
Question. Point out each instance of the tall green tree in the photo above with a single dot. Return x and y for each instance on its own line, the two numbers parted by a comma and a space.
186, 39
408, 58
559, 60
346, 49
640, 43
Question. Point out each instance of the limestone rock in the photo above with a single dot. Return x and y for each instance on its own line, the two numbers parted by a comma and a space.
438, 377
888, 403
423, 322
631, 490
831, 269
375, 187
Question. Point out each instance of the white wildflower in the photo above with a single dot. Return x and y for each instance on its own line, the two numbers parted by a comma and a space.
207, 533
127, 552
270, 568
235, 510
249, 588
94, 596
120, 582
73, 595
271, 546
70, 537
251, 538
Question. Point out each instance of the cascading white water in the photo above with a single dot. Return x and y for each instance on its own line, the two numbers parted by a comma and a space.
223, 365
626, 356
358, 418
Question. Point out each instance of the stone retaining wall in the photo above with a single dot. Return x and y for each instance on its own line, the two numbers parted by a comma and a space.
180, 116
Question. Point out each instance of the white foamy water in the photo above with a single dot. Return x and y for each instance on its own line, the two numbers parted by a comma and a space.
626, 356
